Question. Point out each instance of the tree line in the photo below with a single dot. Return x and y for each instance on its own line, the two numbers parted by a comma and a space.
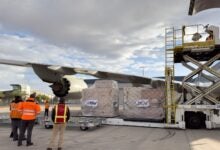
7, 97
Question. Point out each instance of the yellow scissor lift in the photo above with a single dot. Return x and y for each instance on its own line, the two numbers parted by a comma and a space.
191, 45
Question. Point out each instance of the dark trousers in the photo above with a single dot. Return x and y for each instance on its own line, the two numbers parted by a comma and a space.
11, 134
16, 124
26, 125
46, 112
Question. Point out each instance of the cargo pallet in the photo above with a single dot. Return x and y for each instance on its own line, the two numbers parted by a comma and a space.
122, 122
84, 123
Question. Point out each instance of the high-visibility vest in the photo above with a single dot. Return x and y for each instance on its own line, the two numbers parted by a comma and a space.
29, 109
15, 113
47, 105
60, 113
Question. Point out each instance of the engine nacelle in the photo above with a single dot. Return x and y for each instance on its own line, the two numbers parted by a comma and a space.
69, 87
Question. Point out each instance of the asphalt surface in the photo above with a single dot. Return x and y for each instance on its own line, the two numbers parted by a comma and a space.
119, 138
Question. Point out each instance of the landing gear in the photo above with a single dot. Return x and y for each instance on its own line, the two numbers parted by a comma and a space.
48, 126
84, 128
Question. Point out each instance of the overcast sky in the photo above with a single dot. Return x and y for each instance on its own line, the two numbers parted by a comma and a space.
111, 35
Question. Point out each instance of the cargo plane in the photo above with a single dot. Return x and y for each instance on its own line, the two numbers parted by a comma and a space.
65, 84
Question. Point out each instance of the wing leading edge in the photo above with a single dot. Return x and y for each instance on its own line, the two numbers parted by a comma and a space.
51, 73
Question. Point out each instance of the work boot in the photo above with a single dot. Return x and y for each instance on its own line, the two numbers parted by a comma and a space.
11, 135
49, 148
59, 148
30, 144
19, 143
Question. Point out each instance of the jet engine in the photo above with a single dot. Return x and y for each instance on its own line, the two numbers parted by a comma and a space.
68, 86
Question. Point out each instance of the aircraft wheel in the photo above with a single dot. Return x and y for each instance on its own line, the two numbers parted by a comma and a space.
84, 128
48, 126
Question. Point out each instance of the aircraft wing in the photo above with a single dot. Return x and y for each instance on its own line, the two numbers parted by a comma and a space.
200, 5
52, 73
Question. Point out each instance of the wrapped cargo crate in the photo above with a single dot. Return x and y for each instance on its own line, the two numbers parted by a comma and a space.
141, 103
101, 101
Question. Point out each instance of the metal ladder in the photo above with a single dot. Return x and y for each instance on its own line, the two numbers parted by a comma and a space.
170, 43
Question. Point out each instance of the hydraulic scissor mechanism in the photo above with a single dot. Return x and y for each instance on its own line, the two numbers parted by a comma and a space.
201, 92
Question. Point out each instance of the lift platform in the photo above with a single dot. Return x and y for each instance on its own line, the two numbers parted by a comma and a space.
197, 41
197, 47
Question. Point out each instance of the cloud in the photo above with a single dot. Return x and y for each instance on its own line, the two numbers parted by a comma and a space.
31, 49
95, 27
11, 75
117, 36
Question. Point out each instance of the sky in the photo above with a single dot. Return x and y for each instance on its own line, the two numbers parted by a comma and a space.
111, 35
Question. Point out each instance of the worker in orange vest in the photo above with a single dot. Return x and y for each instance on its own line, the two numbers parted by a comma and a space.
46, 106
60, 115
30, 109
15, 115
12, 103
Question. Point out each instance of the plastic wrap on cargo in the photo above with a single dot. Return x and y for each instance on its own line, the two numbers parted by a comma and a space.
143, 103
101, 102
106, 84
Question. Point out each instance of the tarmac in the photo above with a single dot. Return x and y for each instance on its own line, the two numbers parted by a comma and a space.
109, 137
119, 138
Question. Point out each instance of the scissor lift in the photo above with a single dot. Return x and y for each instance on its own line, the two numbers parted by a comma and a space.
197, 48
